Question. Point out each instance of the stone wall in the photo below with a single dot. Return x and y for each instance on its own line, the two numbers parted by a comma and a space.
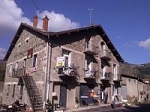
27, 40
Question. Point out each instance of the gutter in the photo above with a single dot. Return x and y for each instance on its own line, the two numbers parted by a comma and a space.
46, 73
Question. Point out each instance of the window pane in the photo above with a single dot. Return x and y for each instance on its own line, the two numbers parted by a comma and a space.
34, 60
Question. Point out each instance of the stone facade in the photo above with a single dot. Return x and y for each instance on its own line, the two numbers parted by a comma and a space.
90, 77
18, 58
134, 90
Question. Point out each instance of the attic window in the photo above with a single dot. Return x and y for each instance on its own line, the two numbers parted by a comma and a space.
19, 44
27, 39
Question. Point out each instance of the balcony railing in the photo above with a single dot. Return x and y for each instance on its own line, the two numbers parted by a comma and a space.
106, 76
105, 54
68, 71
90, 49
17, 73
116, 77
90, 74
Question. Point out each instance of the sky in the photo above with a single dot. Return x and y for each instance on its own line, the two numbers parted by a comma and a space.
126, 22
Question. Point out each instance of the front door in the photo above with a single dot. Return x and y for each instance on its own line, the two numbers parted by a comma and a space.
63, 95
85, 97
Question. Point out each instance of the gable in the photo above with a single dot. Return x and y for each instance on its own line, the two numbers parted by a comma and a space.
22, 28
45, 36
96, 29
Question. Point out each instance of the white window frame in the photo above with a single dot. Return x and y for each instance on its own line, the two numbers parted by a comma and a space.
67, 54
104, 71
88, 66
115, 70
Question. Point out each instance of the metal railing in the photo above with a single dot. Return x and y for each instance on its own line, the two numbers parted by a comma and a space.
17, 73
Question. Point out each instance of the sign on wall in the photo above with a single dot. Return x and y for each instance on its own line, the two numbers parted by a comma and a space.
60, 62
31, 70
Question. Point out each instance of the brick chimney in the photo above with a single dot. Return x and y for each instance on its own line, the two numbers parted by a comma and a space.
45, 23
35, 21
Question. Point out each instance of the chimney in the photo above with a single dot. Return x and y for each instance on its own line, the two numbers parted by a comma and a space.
35, 21
45, 23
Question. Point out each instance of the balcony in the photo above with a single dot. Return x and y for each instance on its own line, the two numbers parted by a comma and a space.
17, 73
90, 49
67, 71
117, 80
116, 77
106, 76
90, 74
105, 54
68, 74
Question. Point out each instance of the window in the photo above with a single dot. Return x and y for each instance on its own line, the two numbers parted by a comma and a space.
35, 60
103, 47
30, 53
115, 70
67, 56
27, 39
13, 94
103, 67
103, 70
115, 89
21, 92
87, 42
19, 44
24, 62
8, 88
10, 69
16, 67
88, 63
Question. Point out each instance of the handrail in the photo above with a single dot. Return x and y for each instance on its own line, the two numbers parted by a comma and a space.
23, 75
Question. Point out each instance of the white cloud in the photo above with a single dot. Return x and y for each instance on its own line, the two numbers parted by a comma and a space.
2, 53
145, 43
57, 22
11, 17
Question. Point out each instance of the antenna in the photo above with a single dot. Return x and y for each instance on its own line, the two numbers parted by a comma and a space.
37, 8
90, 10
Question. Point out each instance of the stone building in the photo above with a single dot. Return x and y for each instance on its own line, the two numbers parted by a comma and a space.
133, 89
72, 68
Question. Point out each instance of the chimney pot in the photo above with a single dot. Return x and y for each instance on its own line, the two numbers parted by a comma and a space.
35, 21
45, 23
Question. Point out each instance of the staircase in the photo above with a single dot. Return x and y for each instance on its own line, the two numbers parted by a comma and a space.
33, 93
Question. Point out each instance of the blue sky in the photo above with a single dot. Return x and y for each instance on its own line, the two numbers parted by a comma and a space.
126, 22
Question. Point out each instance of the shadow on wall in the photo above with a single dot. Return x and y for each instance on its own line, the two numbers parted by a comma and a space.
1, 91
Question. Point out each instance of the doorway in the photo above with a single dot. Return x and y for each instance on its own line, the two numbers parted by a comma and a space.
63, 95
